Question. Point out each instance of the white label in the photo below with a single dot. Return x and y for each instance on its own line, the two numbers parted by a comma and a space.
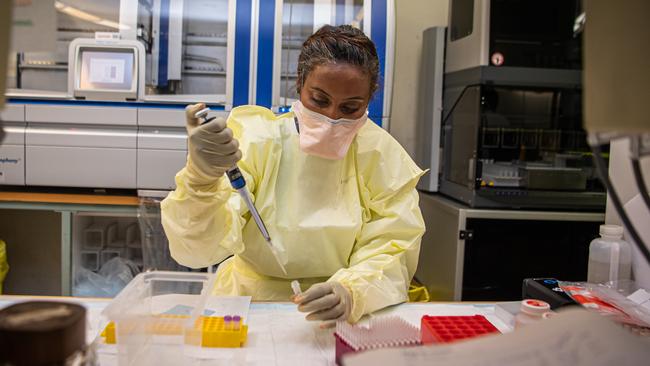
106, 70
107, 36
2, 177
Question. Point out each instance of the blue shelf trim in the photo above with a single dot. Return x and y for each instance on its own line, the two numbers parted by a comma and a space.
242, 52
379, 18
263, 96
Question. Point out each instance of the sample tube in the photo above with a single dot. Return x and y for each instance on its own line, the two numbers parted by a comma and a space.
295, 286
236, 322
227, 322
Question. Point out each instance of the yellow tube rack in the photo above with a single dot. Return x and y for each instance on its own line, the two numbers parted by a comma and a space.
208, 331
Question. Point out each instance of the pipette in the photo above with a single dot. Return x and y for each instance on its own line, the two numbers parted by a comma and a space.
238, 182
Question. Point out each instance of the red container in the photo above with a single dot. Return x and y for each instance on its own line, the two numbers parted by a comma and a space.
446, 329
342, 347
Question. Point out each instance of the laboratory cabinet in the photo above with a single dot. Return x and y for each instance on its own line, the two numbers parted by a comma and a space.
88, 245
474, 254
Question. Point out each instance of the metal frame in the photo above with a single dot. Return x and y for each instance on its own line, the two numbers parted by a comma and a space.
252, 79
389, 60
327, 6
129, 19
175, 39
230, 54
155, 47
277, 57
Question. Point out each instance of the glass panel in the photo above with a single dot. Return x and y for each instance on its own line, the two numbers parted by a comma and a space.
535, 33
494, 264
48, 71
462, 19
532, 138
185, 44
298, 23
192, 64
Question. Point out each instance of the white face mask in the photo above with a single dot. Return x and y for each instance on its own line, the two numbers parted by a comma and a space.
323, 136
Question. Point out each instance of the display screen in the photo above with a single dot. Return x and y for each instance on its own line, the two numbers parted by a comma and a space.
111, 70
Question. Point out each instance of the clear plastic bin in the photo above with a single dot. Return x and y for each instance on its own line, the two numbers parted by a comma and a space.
155, 313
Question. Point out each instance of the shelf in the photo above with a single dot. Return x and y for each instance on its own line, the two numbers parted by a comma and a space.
84, 199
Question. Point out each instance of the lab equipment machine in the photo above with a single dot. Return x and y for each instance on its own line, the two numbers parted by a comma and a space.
511, 124
106, 69
105, 109
91, 116
546, 289
619, 116
512, 33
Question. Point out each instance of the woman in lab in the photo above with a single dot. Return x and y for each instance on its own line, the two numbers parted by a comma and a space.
336, 192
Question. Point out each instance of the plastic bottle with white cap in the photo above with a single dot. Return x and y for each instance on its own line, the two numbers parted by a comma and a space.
531, 311
610, 257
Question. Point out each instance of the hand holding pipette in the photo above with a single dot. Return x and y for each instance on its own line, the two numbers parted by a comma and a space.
212, 149
234, 174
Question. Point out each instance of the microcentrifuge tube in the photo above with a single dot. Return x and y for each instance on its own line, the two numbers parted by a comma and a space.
295, 286
227, 322
236, 320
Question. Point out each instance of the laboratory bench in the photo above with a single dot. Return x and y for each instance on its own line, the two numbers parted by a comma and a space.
42, 231
278, 333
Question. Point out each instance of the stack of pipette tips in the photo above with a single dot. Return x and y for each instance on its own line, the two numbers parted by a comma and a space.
390, 331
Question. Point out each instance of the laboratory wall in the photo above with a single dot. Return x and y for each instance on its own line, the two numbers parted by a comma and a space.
411, 18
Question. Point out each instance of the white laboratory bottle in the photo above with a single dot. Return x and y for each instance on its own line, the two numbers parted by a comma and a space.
610, 257
531, 311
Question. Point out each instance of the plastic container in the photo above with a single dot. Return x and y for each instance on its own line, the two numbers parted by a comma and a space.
94, 236
531, 311
382, 332
90, 259
447, 329
610, 257
173, 300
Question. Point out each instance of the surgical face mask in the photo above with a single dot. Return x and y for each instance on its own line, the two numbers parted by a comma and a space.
323, 136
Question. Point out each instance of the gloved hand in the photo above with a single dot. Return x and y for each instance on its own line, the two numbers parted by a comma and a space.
211, 147
325, 301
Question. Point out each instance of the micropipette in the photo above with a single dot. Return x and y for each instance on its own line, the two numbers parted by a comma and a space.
238, 182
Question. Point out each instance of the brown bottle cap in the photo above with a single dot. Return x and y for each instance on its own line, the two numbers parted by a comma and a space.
41, 332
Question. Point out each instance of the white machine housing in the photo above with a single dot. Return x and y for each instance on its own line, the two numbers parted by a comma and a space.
429, 120
12, 148
124, 60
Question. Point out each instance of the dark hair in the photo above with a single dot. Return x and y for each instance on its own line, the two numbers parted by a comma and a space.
343, 43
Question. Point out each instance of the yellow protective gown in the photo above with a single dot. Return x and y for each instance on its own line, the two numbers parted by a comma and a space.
355, 220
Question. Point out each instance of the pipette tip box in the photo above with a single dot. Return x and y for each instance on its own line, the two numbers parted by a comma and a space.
382, 332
